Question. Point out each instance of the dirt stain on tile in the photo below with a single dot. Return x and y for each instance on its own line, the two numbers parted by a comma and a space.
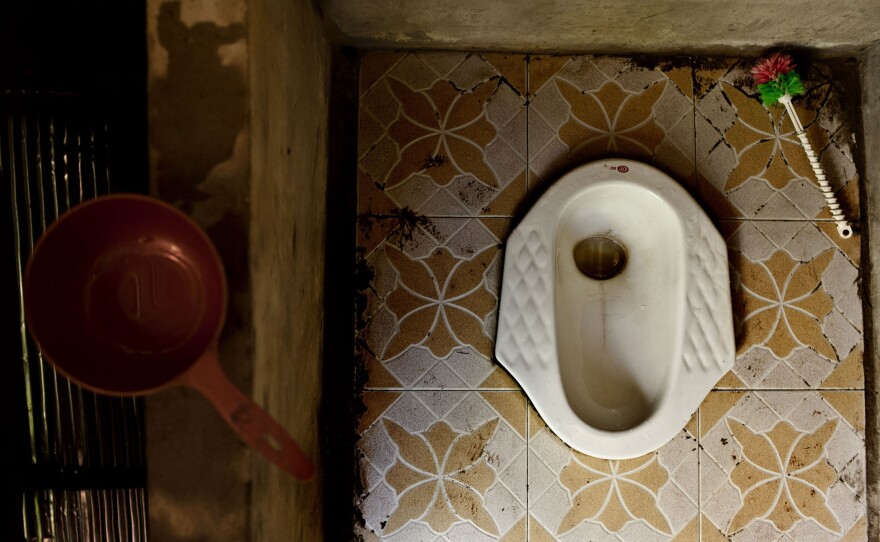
435, 161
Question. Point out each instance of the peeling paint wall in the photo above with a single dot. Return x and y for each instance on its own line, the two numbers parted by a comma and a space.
198, 471
630, 26
289, 84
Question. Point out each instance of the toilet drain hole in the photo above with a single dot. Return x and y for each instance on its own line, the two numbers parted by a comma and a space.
599, 257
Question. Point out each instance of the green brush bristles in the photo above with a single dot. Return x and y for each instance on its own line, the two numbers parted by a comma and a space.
787, 83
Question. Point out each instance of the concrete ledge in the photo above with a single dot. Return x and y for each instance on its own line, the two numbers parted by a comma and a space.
630, 26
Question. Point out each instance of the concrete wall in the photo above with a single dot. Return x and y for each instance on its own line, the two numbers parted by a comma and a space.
198, 472
290, 65
238, 130
607, 26
870, 72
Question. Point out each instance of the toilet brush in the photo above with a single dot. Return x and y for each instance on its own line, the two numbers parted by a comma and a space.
778, 83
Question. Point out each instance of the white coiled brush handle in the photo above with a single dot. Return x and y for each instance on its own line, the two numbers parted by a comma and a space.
843, 227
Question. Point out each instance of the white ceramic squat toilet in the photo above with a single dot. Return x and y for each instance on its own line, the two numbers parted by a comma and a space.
615, 312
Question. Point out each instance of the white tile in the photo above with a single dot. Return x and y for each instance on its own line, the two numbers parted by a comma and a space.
441, 203
504, 507
472, 367
751, 242
414, 192
467, 532
377, 505
847, 506
413, 532
411, 365
549, 450
675, 503
505, 447
376, 446
514, 475
808, 243
550, 507
440, 403
470, 413
417, 74
440, 376
812, 367
411, 414
805, 196
850, 305
470, 73
787, 405
540, 476
755, 365
842, 334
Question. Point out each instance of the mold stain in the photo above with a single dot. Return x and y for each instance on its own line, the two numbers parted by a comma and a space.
410, 222
474, 193
435, 161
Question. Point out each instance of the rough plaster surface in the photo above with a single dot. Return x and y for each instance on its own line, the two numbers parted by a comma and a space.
289, 82
870, 72
633, 26
198, 472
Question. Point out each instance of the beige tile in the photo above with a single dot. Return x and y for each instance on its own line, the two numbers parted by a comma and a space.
429, 296
576, 497
444, 463
537, 532
709, 532
582, 108
749, 160
858, 532
796, 306
443, 134
517, 533
787, 462
691, 532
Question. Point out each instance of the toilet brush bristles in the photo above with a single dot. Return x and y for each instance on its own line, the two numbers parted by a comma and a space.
776, 77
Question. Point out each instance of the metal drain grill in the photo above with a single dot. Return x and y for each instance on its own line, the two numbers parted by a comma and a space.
79, 457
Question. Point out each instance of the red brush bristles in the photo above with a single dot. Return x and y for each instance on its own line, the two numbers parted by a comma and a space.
772, 67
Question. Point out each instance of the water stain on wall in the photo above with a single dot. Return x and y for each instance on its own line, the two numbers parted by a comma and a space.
198, 108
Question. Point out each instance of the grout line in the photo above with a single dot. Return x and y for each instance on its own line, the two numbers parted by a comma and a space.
804, 220
528, 174
801, 390
447, 389
520, 389
699, 477
466, 217
503, 484
528, 450
697, 189
527, 61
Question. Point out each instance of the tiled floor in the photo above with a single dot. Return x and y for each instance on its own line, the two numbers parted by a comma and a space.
454, 146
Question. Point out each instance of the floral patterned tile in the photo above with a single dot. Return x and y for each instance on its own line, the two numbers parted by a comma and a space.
443, 465
450, 450
783, 465
441, 133
796, 305
750, 162
575, 497
586, 107
429, 302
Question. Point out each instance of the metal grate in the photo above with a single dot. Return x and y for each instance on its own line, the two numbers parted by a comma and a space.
81, 473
